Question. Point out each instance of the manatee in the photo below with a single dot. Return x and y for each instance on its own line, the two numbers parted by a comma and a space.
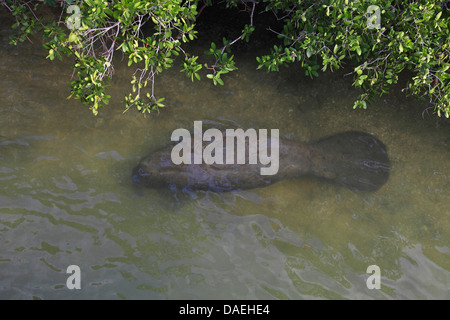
355, 160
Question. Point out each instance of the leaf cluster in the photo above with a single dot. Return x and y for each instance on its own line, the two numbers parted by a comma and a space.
320, 35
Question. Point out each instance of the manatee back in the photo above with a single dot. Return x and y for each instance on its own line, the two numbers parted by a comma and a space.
356, 160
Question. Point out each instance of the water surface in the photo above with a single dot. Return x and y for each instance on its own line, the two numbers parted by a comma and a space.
66, 195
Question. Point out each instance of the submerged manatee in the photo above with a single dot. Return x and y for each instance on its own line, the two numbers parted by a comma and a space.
356, 160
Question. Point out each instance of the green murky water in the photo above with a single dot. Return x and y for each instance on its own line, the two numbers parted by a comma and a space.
66, 196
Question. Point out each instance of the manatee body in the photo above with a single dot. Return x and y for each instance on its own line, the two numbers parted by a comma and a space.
356, 160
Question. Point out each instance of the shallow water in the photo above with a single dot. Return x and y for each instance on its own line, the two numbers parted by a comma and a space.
67, 197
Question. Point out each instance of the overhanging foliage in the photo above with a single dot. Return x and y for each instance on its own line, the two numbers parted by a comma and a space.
381, 37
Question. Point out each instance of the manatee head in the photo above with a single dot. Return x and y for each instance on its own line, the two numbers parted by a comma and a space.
146, 175
154, 171
139, 175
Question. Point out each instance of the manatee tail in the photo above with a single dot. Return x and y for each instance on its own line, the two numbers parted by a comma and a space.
356, 160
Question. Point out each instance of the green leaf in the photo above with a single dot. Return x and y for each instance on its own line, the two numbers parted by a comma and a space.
336, 48
73, 37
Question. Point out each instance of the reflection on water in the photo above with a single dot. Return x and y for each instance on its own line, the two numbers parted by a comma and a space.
67, 196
